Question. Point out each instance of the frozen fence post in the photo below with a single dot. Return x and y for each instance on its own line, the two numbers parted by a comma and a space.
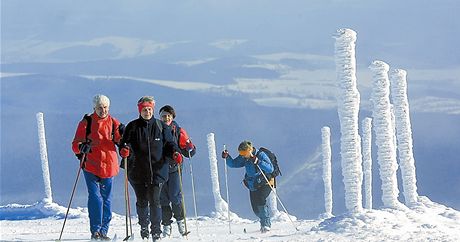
273, 205
348, 99
220, 205
404, 135
327, 173
384, 133
44, 158
367, 161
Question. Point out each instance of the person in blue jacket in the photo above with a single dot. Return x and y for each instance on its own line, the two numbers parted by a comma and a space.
254, 161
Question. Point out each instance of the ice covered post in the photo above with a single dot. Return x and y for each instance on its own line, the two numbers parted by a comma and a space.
327, 172
348, 99
220, 205
384, 133
44, 158
404, 135
273, 205
367, 161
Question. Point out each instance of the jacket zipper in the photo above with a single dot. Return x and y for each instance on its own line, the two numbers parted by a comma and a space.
150, 154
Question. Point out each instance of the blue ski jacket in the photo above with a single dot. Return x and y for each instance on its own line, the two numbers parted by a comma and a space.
252, 172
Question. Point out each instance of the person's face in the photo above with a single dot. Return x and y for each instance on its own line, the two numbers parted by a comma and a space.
147, 113
102, 110
167, 118
248, 153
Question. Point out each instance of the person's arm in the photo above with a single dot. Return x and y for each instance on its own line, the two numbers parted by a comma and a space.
80, 137
185, 144
239, 161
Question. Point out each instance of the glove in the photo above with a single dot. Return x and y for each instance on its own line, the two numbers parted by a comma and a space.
177, 157
124, 152
189, 145
254, 159
225, 154
84, 148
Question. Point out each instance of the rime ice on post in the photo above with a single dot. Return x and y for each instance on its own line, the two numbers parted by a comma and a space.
348, 109
404, 135
221, 206
327, 173
44, 158
384, 133
367, 161
273, 205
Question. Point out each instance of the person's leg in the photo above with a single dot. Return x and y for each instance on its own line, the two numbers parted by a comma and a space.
175, 196
259, 205
155, 208
264, 210
165, 205
142, 208
106, 193
94, 202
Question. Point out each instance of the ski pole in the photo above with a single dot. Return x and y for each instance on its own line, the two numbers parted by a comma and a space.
274, 192
193, 189
183, 199
82, 161
228, 198
127, 204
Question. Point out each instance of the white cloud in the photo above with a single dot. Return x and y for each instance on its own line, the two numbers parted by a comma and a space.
228, 44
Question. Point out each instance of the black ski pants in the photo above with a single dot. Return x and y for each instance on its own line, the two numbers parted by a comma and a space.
148, 205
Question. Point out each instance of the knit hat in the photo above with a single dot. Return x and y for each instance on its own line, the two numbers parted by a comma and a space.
167, 109
145, 101
245, 148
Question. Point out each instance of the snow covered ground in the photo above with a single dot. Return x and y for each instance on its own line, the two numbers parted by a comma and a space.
428, 221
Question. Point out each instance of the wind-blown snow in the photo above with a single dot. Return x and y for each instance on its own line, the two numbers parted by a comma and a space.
327, 172
367, 161
348, 99
384, 135
44, 158
404, 135
221, 206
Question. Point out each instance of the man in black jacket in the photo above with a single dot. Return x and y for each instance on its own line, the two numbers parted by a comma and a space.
145, 141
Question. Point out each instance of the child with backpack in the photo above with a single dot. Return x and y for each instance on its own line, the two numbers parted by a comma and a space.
255, 162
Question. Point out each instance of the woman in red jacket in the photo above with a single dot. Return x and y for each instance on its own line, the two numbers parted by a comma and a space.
94, 142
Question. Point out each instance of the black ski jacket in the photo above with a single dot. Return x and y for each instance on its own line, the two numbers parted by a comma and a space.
148, 140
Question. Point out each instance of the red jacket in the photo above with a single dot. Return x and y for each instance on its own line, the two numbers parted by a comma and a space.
102, 160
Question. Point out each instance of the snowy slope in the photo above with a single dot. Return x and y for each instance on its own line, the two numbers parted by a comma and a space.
426, 222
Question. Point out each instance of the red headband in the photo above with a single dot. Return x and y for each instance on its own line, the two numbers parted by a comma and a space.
142, 105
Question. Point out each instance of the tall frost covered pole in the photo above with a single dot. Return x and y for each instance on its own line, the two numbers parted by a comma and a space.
404, 135
220, 205
273, 205
384, 133
348, 99
327, 173
367, 161
44, 158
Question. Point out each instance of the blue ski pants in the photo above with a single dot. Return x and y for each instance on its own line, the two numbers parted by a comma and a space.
171, 199
99, 202
259, 204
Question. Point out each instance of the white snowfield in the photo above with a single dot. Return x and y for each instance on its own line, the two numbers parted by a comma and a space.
426, 221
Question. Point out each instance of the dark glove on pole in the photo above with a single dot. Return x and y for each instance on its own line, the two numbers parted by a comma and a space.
225, 154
